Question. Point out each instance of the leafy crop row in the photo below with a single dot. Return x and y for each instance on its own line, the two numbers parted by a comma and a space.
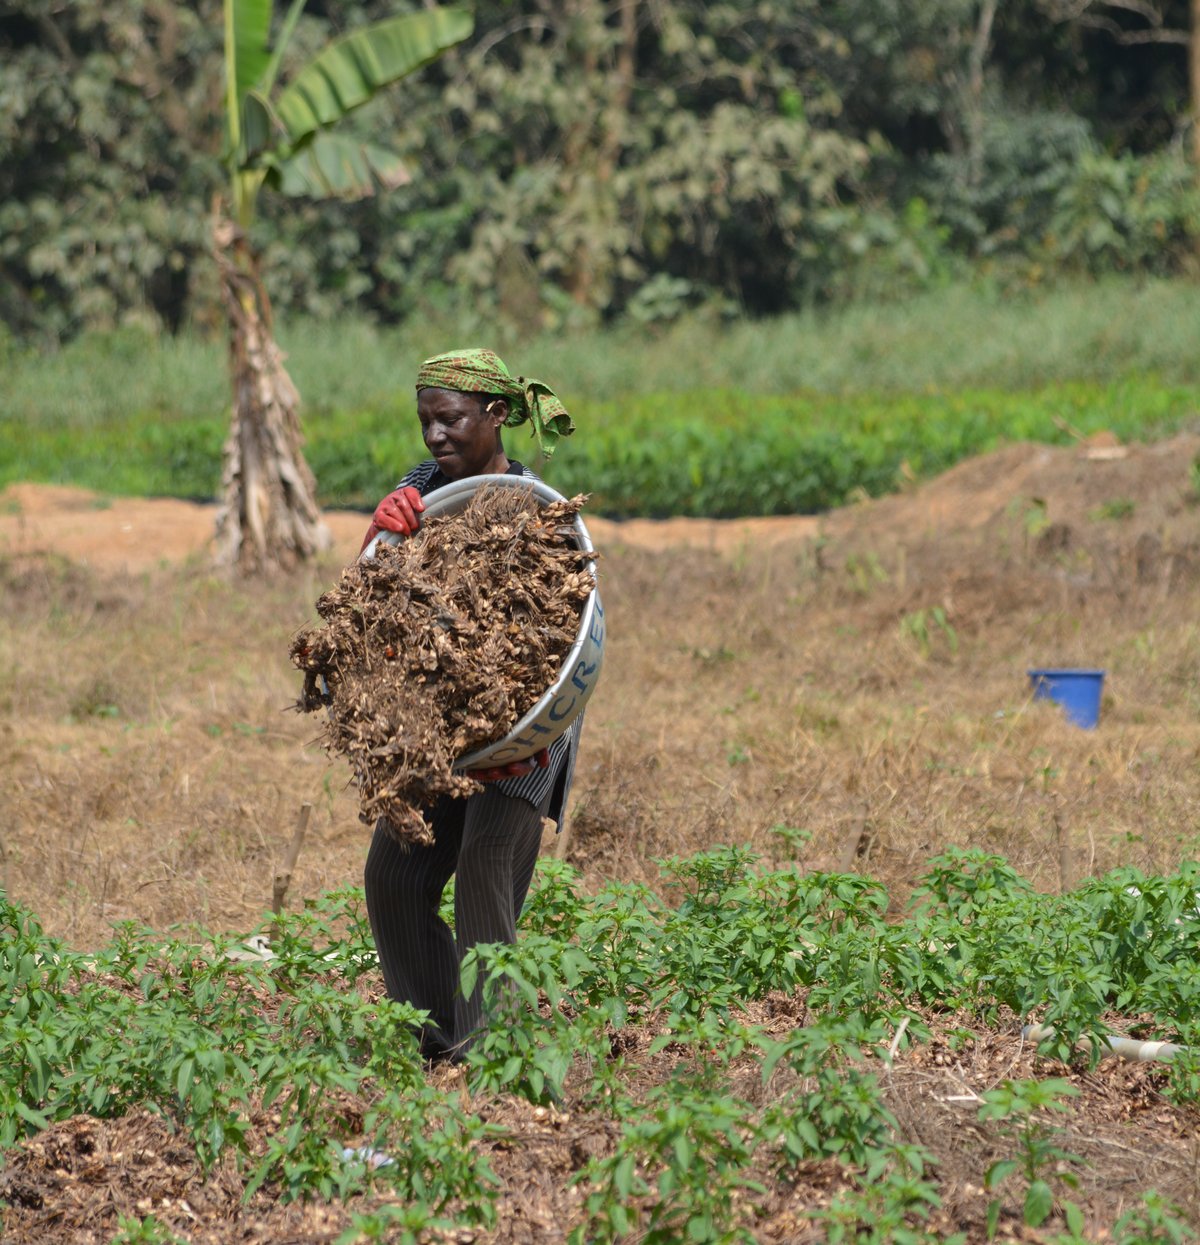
716, 453
261, 1059
727, 454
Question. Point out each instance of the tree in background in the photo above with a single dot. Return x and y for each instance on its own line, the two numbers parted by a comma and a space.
268, 514
651, 154
1133, 22
603, 159
109, 137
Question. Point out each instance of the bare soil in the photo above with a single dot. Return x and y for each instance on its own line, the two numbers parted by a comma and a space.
133, 534
72, 1183
859, 678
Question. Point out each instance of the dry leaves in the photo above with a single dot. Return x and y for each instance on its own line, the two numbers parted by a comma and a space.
439, 645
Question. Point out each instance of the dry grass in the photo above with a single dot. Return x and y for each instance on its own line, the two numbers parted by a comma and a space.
153, 768
815, 687
153, 763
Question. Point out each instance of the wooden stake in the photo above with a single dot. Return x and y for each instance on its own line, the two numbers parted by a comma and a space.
857, 843
1065, 869
1194, 81
283, 879
562, 842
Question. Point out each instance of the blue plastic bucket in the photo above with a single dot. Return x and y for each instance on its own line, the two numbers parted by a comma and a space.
1078, 691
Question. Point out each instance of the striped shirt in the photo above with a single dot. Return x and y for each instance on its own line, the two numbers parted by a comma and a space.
556, 777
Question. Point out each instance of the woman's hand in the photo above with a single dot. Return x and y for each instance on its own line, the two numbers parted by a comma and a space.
398, 512
514, 769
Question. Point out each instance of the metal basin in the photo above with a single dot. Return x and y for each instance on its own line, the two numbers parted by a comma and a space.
563, 701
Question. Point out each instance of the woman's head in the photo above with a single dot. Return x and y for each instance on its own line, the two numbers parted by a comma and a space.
462, 430
480, 377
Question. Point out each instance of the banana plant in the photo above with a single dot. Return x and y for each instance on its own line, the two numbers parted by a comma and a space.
283, 137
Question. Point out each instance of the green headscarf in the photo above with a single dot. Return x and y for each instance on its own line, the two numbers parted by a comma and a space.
483, 371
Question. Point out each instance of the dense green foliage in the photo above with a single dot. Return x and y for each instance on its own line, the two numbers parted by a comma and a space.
291, 139
604, 159
212, 1042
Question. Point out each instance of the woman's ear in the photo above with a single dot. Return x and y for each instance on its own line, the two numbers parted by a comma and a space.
497, 408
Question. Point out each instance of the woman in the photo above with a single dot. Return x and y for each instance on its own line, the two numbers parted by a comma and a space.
491, 839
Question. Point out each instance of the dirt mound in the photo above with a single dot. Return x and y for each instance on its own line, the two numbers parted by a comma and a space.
1058, 496
1028, 526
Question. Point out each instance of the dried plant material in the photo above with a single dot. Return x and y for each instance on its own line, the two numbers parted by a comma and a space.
441, 644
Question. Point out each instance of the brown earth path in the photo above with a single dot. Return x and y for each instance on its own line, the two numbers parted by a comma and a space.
137, 533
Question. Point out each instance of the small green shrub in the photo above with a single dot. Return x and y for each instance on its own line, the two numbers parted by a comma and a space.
1153, 1222
1020, 1108
147, 1231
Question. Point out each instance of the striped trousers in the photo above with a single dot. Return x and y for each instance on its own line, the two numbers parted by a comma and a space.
490, 842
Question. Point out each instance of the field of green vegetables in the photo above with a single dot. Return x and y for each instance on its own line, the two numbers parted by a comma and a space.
283, 1063
721, 454
717, 419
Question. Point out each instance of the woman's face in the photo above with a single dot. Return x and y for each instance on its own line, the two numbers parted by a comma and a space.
460, 434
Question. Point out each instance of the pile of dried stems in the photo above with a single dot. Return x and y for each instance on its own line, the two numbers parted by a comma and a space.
439, 645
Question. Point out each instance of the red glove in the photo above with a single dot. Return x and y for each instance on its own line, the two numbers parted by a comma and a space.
514, 769
398, 512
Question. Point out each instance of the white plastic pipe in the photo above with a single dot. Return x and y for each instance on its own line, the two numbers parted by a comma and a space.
1113, 1044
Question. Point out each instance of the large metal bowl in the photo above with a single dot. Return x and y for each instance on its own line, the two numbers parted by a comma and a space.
563, 701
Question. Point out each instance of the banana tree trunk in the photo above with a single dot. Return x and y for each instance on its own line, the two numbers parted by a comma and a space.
268, 517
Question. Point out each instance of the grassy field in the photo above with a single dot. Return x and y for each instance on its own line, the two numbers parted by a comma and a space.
961, 337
